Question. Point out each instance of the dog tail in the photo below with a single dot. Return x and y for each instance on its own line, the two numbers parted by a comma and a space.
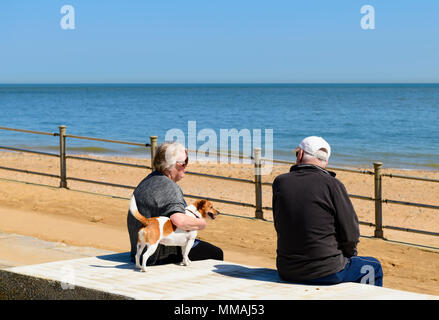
135, 212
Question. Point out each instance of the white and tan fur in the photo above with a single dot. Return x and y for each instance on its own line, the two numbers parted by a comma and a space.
160, 230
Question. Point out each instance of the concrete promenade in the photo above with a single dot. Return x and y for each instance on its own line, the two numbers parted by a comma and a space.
88, 273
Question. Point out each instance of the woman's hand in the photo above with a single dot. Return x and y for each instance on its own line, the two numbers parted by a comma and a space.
185, 222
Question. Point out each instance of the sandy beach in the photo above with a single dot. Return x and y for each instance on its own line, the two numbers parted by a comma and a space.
81, 216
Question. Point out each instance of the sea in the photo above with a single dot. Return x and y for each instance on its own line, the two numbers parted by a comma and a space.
396, 124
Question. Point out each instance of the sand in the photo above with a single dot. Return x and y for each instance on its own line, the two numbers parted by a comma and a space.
81, 216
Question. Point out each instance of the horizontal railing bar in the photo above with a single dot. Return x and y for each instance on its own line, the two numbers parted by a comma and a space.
239, 216
430, 233
330, 168
410, 244
101, 183
108, 140
370, 224
221, 201
351, 170
230, 155
30, 131
31, 183
30, 151
109, 162
421, 205
391, 175
219, 177
31, 172
361, 197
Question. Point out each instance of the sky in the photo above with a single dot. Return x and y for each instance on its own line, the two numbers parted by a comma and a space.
219, 41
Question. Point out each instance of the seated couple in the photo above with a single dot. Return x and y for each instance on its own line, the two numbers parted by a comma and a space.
317, 227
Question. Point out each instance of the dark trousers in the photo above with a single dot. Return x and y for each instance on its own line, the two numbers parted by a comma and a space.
358, 269
201, 250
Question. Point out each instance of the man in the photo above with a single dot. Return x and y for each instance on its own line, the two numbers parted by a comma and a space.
316, 224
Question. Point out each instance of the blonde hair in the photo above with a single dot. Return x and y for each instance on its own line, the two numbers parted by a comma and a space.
167, 155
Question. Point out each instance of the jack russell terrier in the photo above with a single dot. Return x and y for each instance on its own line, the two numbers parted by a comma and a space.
160, 230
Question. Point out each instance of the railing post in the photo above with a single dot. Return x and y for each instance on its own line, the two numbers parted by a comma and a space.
378, 200
153, 142
258, 184
62, 156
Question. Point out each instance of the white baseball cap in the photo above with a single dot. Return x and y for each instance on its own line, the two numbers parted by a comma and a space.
313, 144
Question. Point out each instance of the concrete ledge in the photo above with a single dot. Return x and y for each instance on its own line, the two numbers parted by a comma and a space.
115, 277
15, 286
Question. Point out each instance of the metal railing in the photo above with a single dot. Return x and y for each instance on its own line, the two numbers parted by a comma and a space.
257, 181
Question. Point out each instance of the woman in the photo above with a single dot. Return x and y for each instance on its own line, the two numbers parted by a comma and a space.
159, 195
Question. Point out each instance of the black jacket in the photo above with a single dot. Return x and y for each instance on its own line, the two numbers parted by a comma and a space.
316, 225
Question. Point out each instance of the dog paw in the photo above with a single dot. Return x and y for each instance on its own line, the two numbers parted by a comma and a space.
185, 263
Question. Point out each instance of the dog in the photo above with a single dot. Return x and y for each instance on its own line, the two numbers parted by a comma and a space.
160, 230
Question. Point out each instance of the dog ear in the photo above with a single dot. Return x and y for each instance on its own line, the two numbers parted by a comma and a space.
199, 204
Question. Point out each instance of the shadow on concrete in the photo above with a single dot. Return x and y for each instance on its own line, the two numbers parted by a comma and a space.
229, 270
124, 258
242, 272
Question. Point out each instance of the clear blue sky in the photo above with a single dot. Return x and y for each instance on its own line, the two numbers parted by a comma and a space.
218, 41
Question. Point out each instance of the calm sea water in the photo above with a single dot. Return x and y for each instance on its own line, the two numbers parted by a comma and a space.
395, 124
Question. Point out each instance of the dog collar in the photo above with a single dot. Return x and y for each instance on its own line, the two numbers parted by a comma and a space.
192, 209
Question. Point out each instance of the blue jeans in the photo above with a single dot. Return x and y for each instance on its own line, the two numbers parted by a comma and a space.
358, 269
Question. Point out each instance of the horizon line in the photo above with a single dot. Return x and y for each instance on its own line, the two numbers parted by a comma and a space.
218, 83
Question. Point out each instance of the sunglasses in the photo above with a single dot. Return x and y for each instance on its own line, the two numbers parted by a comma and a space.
183, 163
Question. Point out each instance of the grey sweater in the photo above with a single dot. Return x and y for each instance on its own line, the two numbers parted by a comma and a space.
156, 195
